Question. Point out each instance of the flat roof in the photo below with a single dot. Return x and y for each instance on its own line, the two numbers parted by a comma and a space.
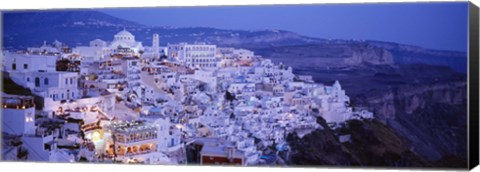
131, 126
221, 151
5, 95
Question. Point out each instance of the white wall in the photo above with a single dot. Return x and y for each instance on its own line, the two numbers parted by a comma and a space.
32, 62
36, 149
18, 121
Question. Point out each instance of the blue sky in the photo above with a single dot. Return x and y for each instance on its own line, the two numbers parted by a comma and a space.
430, 25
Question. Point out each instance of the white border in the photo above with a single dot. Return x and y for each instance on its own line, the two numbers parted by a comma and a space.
75, 4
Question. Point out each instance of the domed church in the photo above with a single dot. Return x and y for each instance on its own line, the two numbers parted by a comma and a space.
124, 42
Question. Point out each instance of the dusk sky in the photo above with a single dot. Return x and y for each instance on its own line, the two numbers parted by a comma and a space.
430, 25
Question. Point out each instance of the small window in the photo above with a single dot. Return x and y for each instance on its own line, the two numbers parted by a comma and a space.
37, 82
28, 79
66, 82
14, 66
45, 81
25, 66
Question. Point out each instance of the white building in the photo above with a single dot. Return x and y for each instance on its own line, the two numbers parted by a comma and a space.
132, 140
155, 51
194, 55
38, 73
53, 48
243, 54
124, 43
18, 114
97, 51
15, 62
54, 85
156, 46
166, 137
132, 70
142, 140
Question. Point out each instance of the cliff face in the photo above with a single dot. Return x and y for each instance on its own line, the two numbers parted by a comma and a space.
432, 117
370, 55
407, 54
327, 55
415, 126
371, 144
420, 115
408, 99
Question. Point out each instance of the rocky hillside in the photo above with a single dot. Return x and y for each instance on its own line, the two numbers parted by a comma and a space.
409, 99
433, 117
425, 114
327, 55
408, 54
371, 144
321, 147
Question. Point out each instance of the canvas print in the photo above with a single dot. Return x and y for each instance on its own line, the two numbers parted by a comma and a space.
344, 85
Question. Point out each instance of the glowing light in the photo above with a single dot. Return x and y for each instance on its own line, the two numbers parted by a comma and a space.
96, 137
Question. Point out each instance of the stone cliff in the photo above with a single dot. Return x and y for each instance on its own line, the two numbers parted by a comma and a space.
420, 116
449, 93
369, 54
407, 99
327, 55
432, 117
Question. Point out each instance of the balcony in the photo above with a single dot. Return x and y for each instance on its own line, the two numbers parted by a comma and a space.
133, 150
139, 140
17, 102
